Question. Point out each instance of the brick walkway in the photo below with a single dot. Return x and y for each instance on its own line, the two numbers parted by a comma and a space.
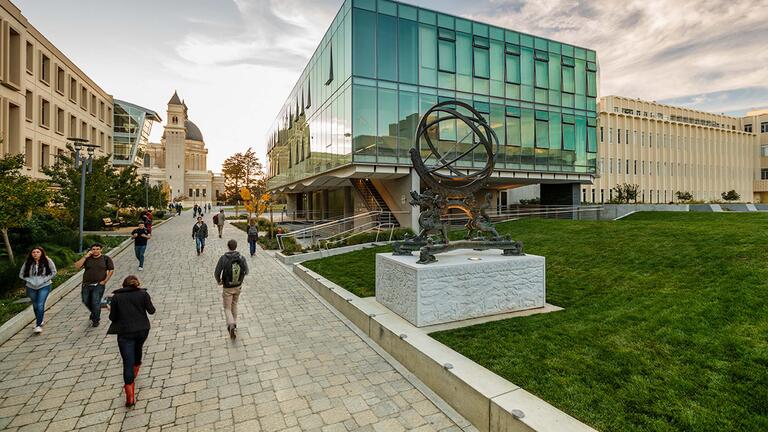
295, 365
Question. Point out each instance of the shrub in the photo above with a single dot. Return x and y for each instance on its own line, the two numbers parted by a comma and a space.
731, 195
530, 201
684, 196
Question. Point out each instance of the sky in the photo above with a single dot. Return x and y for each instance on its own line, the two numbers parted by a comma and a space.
235, 61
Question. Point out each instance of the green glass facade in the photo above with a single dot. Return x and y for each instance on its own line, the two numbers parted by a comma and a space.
132, 125
382, 64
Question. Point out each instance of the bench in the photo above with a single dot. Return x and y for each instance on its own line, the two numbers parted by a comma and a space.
108, 223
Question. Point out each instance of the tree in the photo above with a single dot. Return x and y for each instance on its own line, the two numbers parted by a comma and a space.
19, 196
625, 193
127, 189
99, 188
243, 170
731, 195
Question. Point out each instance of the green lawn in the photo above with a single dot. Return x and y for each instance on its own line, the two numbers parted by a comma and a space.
665, 326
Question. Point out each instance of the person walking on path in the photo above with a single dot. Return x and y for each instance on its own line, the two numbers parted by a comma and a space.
194, 211
98, 270
178, 209
37, 273
229, 273
200, 233
219, 219
253, 236
140, 236
128, 313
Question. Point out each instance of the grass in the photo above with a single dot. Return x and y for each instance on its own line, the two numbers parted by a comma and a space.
63, 257
355, 271
665, 326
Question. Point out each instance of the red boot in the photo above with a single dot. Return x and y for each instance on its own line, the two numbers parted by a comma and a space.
130, 400
136, 371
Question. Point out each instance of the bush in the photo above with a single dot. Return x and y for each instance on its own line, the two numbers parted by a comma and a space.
159, 214
731, 195
685, 197
530, 201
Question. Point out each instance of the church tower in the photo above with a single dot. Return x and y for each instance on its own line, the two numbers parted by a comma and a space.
173, 138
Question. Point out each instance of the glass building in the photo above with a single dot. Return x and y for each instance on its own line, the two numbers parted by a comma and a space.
354, 111
132, 126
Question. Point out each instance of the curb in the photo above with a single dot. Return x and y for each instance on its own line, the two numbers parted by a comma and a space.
488, 401
22, 319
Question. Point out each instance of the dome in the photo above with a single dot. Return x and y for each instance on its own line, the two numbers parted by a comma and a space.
193, 132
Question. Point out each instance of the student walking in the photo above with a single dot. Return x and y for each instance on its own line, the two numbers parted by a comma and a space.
178, 209
140, 236
37, 272
128, 313
253, 235
194, 211
229, 273
98, 270
219, 219
200, 233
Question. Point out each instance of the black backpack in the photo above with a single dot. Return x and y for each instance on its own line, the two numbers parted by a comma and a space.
233, 274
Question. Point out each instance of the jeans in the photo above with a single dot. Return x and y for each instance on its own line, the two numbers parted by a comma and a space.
230, 297
92, 295
38, 297
252, 246
140, 253
199, 244
131, 346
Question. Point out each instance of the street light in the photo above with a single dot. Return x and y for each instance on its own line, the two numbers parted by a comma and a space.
146, 190
84, 163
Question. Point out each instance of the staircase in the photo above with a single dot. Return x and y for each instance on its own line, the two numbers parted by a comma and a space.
373, 201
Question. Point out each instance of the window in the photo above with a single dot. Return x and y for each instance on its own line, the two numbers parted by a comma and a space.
83, 130
93, 136
591, 135
83, 97
610, 135
635, 171
190, 192
513, 126
446, 50
28, 153
764, 127
764, 174
569, 75
364, 43
13, 56
610, 166
30, 58
618, 166
45, 68
542, 129
29, 103
618, 136
72, 89
386, 44
747, 128
45, 113
512, 60
481, 62
569, 132
329, 62
72, 126
101, 110
59, 120
627, 164
541, 69
60, 78
45, 155
109, 116
601, 134
93, 105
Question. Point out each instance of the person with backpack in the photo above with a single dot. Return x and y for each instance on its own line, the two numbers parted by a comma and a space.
194, 211
98, 270
140, 237
128, 312
253, 235
229, 273
200, 233
219, 219
37, 272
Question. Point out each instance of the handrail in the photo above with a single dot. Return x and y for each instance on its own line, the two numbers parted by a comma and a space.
378, 227
313, 229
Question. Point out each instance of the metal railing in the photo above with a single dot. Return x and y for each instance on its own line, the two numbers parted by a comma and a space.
329, 229
374, 226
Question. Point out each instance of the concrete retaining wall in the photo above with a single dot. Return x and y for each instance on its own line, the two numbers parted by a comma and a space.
308, 256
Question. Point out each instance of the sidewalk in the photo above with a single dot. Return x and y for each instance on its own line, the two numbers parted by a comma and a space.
295, 365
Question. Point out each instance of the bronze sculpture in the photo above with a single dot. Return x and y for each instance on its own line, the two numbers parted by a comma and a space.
451, 187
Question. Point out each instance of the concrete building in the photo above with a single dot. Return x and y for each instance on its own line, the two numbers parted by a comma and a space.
339, 144
665, 149
44, 97
179, 160
756, 122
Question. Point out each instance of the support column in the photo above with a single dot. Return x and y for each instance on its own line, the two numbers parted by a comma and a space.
324, 204
349, 202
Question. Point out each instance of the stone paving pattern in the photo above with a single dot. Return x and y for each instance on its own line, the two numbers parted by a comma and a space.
294, 366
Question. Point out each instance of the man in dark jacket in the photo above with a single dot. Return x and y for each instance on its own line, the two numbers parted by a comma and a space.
200, 233
128, 313
229, 273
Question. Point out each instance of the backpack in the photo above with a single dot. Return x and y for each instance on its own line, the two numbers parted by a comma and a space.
233, 273
216, 219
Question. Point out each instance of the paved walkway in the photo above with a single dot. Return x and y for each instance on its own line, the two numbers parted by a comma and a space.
295, 365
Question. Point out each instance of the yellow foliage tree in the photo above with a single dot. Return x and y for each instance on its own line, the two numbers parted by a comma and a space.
255, 203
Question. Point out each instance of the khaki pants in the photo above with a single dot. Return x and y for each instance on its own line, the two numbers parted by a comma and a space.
221, 228
230, 296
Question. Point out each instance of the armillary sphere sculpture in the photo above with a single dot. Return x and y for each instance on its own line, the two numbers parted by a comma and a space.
452, 187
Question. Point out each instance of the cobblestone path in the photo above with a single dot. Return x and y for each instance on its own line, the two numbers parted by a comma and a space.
295, 365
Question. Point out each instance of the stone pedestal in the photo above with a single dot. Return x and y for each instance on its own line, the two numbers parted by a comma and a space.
463, 284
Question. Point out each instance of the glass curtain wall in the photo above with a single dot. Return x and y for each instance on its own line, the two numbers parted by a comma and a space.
382, 64
539, 95
131, 129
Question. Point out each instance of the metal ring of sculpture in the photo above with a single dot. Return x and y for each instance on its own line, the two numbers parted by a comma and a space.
455, 180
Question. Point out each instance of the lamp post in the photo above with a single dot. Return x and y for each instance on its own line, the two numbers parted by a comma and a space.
85, 163
146, 190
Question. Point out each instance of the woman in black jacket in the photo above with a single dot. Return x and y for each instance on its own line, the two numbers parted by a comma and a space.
128, 313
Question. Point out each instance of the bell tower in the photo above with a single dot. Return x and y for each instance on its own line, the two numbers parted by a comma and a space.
173, 137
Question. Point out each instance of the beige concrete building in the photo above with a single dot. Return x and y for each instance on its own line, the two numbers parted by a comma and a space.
44, 97
180, 159
756, 122
665, 149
